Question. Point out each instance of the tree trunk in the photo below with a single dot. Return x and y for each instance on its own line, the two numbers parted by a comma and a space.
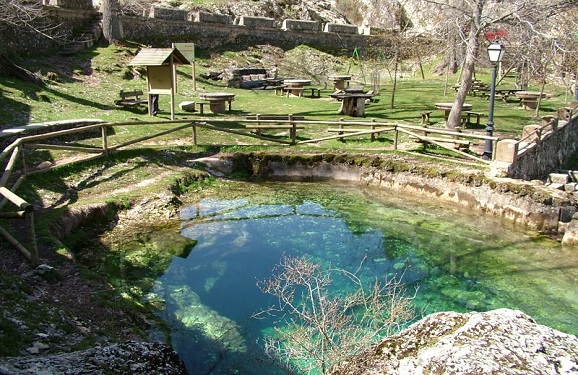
394, 81
455, 115
111, 24
9, 69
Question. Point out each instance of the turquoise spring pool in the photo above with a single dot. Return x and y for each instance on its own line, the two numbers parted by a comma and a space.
460, 261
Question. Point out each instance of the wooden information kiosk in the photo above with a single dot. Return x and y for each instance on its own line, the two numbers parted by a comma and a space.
161, 77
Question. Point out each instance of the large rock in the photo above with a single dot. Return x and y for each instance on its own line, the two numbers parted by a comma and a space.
497, 342
131, 357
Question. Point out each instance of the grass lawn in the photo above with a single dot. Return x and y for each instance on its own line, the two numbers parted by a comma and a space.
87, 84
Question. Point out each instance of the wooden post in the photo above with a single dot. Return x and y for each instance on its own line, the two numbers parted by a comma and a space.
32, 246
10, 166
372, 128
194, 134
293, 131
395, 134
24, 171
341, 120
104, 137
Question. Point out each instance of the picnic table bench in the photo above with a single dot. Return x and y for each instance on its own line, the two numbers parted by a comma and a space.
375, 129
458, 143
275, 122
131, 98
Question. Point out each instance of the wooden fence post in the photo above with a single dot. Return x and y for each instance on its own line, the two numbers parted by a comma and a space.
293, 131
104, 137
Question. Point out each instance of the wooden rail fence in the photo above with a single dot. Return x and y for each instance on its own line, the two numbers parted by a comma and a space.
10, 181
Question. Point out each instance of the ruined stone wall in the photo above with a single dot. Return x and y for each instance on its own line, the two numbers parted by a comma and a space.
550, 154
211, 18
163, 26
256, 22
214, 36
300, 25
71, 22
70, 4
168, 14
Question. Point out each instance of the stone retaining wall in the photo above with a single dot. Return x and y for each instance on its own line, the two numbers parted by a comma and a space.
299, 25
211, 18
530, 204
256, 22
160, 33
340, 29
168, 14
70, 4
551, 153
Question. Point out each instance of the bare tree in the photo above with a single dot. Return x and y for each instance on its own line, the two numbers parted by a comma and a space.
471, 18
319, 328
24, 16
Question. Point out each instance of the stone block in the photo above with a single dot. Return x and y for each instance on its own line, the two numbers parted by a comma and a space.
506, 150
257, 22
340, 28
529, 133
301, 25
558, 178
187, 106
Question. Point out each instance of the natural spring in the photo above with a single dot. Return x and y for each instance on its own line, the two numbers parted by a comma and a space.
460, 261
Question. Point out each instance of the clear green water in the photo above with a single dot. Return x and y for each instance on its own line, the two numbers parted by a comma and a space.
459, 261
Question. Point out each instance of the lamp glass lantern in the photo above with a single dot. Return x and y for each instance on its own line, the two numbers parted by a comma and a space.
495, 52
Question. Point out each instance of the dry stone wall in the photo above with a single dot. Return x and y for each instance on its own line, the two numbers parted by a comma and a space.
216, 36
548, 155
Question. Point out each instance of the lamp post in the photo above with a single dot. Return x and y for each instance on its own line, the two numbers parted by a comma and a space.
495, 53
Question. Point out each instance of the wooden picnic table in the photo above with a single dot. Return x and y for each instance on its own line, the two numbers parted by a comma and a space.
352, 104
295, 87
339, 80
447, 107
529, 99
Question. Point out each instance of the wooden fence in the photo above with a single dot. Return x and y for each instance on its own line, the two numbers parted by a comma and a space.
12, 178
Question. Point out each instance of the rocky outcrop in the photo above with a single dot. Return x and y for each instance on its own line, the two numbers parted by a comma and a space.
131, 357
497, 342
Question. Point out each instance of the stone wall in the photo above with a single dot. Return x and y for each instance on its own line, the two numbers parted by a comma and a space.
341, 29
211, 18
551, 153
168, 14
18, 42
70, 4
208, 31
298, 25
214, 36
530, 204
256, 22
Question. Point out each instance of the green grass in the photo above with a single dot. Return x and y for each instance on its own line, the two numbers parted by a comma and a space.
86, 86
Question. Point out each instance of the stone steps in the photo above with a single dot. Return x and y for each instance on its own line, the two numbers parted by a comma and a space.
90, 35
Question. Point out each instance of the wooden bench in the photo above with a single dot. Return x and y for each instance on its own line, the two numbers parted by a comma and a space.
425, 117
260, 128
208, 104
379, 128
458, 143
315, 92
467, 118
131, 98
292, 90
202, 106
270, 124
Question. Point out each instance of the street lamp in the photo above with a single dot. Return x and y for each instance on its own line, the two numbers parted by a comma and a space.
495, 53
